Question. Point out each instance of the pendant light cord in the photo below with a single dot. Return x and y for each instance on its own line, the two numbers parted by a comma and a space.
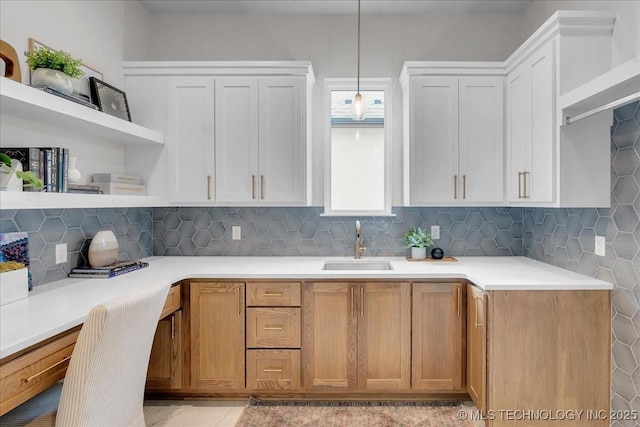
358, 91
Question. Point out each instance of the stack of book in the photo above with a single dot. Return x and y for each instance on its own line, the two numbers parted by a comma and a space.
50, 164
67, 97
108, 271
84, 189
113, 183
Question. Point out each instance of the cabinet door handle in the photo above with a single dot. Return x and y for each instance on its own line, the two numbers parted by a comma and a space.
361, 300
455, 186
32, 377
351, 292
525, 195
458, 299
464, 186
208, 187
272, 294
173, 327
262, 187
272, 328
239, 297
478, 302
271, 370
253, 187
519, 185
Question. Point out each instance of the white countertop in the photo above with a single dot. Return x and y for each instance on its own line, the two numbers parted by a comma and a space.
59, 306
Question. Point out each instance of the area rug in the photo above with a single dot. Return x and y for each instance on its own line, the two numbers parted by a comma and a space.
300, 413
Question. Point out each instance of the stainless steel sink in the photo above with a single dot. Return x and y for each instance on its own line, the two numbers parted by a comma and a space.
360, 264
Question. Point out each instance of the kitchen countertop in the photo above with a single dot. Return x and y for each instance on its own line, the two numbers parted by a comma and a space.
59, 306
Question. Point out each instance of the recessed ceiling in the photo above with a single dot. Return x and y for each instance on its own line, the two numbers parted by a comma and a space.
333, 6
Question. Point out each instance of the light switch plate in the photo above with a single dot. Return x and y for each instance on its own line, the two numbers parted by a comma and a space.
600, 246
61, 253
435, 232
235, 232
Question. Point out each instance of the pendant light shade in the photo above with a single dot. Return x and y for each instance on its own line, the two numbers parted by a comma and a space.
358, 106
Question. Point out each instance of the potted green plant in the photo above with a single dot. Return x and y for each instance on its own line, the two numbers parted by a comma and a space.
9, 168
417, 239
14, 282
54, 69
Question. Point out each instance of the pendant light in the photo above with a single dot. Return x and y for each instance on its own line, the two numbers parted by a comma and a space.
358, 105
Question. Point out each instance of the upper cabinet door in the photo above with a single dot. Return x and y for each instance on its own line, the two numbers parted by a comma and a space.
481, 144
282, 153
236, 145
189, 139
434, 140
518, 135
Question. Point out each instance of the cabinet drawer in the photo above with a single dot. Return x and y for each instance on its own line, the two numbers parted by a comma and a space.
172, 303
35, 371
273, 369
273, 294
273, 327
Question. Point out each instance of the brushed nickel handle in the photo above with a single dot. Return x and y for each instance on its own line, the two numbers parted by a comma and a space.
351, 292
271, 370
455, 186
32, 377
524, 174
272, 328
173, 327
362, 300
208, 187
478, 302
464, 186
459, 299
253, 186
272, 294
262, 187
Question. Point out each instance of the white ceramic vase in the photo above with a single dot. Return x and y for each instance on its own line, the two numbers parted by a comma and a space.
74, 176
418, 253
103, 249
52, 78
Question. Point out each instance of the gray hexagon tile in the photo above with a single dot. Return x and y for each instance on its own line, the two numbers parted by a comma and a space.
571, 245
76, 227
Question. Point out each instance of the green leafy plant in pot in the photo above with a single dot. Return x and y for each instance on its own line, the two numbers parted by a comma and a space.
28, 178
417, 239
54, 69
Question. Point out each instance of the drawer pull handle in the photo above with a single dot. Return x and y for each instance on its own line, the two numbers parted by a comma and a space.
478, 322
272, 328
32, 377
272, 294
271, 370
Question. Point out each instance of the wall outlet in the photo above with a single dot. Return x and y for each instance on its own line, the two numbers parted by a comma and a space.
435, 232
600, 245
235, 232
61, 253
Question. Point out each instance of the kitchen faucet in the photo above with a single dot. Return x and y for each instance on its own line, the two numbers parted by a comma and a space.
359, 249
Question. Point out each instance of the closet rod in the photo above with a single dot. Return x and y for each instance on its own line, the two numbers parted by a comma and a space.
614, 104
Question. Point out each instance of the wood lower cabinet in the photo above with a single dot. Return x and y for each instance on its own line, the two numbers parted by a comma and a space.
217, 336
356, 336
165, 361
273, 369
437, 337
477, 346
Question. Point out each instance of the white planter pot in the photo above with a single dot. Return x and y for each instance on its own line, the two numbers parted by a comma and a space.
418, 253
14, 286
9, 181
52, 78
103, 249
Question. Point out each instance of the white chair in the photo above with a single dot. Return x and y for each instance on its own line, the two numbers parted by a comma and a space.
104, 384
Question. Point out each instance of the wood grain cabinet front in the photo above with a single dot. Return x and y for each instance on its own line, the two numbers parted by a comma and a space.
273, 294
35, 371
273, 327
273, 369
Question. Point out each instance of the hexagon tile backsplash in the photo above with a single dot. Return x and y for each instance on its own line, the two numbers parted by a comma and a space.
565, 237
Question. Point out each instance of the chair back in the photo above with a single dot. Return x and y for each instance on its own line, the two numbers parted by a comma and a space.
104, 384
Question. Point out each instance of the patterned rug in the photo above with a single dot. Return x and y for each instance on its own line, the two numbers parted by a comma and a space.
265, 413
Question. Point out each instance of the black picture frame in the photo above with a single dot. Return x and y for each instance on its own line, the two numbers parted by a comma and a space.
109, 99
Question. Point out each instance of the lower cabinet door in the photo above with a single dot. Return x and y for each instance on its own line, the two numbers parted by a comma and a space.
476, 346
165, 362
217, 336
273, 369
437, 337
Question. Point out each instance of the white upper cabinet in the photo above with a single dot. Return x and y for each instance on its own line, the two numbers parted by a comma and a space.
454, 137
237, 132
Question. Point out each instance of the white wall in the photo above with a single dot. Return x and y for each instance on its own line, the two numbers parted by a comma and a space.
99, 33
329, 42
626, 33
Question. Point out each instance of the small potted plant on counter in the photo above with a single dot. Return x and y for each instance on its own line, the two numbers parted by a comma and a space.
54, 69
417, 239
14, 281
